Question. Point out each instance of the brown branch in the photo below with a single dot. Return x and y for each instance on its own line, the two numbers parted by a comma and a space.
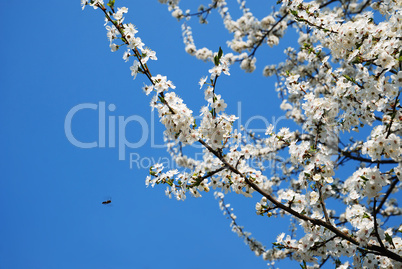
362, 159
323, 243
393, 114
369, 248
376, 225
209, 174
249, 240
324, 209
329, 226
145, 70
387, 194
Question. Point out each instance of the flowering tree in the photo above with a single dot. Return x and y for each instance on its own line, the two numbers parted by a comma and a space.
345, 75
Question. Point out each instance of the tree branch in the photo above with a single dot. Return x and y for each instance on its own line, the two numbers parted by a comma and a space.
329, 226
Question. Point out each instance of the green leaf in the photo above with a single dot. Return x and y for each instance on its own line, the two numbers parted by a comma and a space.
367, 63
364, 178
111, 3
349, 78
278, 246
151, 172
220, 53
388, 238
216, 60
218, 57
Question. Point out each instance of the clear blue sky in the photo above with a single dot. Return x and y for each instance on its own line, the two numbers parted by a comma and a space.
56, 56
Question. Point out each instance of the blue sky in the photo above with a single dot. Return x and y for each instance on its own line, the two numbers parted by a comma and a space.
56, 57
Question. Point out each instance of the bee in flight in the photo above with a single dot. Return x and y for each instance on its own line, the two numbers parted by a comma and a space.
107, 202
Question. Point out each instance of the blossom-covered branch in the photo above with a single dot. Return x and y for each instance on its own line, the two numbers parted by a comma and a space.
344, 76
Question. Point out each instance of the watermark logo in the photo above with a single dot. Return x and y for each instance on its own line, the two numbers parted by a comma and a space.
123, 143
111, 126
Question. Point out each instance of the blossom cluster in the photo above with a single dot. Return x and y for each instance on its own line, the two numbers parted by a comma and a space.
343, 77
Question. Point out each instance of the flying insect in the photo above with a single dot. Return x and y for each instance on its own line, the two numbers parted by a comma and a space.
106, 202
